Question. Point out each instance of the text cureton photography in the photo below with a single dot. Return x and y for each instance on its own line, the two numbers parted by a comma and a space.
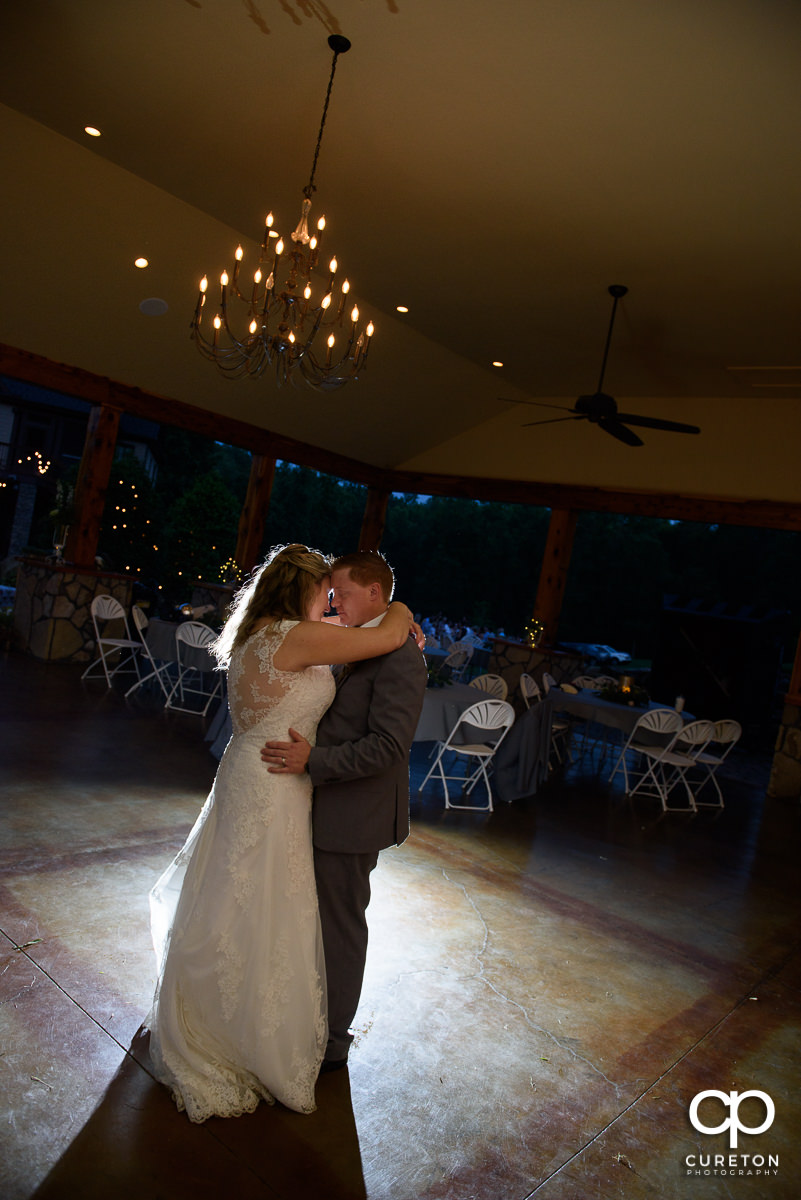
709, 1123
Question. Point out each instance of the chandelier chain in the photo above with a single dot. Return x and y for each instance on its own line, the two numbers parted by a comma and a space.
310, 188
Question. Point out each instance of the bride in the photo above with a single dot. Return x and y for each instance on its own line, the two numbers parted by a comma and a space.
239, 1010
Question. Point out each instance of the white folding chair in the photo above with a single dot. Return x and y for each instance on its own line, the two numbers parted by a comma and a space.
529, 689
193, 680
158, 670
465, 644
657, 727
488, 715
105, 609
456, 663
667, 767
494, 684
727, 735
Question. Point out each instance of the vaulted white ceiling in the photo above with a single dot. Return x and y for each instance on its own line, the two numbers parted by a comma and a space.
492, 166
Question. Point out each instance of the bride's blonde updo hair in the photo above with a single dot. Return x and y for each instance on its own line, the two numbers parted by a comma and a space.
282, 588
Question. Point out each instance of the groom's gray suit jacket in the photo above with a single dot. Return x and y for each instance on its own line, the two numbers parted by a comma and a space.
360, 765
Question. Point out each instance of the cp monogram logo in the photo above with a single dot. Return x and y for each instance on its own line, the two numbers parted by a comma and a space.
732, 1101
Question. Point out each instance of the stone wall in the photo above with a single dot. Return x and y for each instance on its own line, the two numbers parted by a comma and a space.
511, 659
218, 594
52, 613
785, 776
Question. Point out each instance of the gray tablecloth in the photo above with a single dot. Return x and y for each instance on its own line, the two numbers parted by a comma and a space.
521, 763
442, 708
219, 730
589, 707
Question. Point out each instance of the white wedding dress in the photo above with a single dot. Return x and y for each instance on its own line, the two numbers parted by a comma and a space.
239, 1012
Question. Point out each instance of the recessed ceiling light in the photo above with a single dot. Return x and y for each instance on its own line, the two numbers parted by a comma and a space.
401, 308
90, 129
153, 307
140, 262
497, 364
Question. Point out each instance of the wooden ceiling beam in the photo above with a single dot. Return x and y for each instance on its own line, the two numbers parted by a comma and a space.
94, 389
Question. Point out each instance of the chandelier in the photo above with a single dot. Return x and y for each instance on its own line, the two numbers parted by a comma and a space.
286, 319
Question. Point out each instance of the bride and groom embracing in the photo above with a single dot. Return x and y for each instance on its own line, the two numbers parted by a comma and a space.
259, 922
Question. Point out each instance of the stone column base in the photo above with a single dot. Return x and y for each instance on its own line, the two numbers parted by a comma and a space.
52, 608
785, 776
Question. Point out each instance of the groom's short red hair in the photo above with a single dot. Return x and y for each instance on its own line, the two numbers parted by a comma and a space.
365, 567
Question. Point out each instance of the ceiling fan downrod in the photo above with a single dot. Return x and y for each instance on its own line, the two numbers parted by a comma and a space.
617, 291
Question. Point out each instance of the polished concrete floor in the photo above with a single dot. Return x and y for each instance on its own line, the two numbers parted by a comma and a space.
548, 986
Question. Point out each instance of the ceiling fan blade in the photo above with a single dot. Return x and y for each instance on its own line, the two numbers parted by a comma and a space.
658, 423
555, 420
618, 430
536, 403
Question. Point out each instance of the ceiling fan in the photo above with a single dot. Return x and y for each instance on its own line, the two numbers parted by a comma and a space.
602, 410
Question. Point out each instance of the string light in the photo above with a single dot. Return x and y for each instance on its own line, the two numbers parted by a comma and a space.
41, 466
534, 632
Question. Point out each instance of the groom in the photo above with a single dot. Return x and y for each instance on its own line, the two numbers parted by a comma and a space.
360, 772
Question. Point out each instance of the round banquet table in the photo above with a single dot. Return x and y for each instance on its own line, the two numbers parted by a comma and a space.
442, 708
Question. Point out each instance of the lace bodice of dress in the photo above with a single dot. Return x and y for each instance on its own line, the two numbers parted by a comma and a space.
264, 699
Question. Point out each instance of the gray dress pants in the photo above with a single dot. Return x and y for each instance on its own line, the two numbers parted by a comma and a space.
343, 893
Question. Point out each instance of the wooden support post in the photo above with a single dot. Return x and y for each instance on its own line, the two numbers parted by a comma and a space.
92, 484
553, 573
375, 515
254, 512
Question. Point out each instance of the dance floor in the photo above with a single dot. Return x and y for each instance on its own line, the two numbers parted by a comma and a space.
547, 989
